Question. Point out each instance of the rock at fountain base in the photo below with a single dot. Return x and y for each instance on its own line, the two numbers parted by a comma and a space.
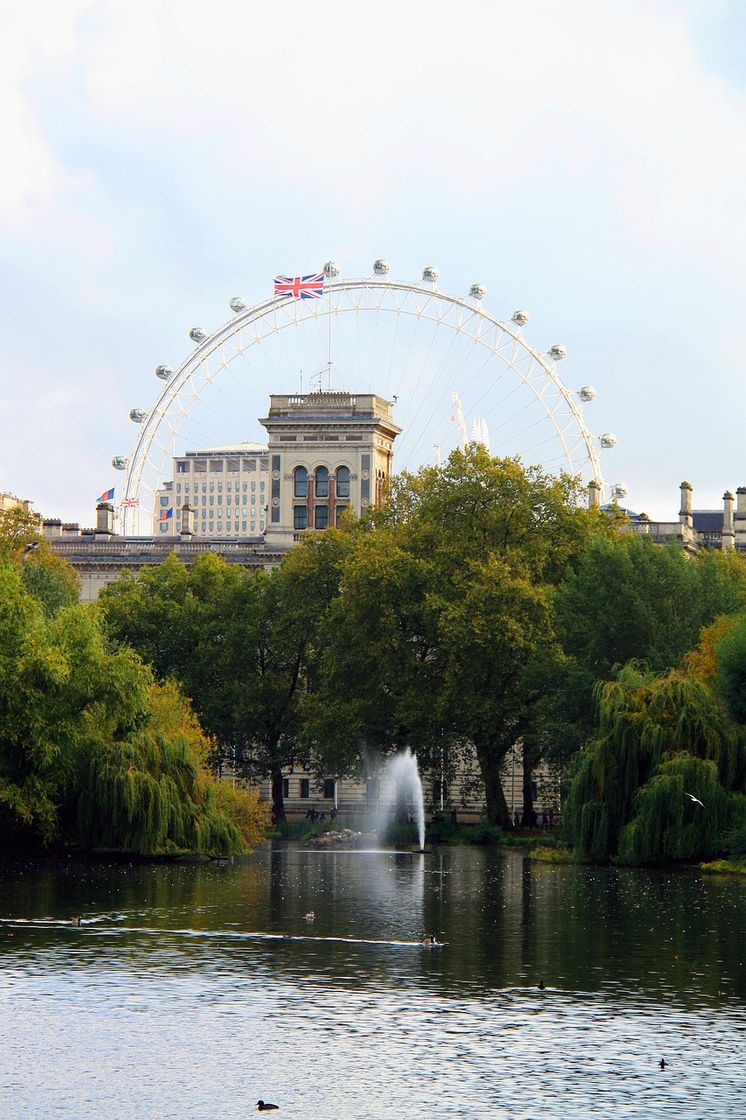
345, 838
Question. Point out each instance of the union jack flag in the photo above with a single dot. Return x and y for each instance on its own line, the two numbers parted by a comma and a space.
300, 287
130, 502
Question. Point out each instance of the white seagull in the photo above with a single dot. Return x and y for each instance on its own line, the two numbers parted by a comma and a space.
693, 798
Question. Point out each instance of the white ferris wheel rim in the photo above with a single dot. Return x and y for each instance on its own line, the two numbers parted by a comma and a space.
455, 313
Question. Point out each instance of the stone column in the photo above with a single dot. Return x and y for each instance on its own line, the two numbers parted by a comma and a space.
740, 518
729, 536
187, 520
594, 494
105, 518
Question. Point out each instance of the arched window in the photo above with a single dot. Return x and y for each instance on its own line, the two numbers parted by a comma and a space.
300, 482
343, 482
322, 482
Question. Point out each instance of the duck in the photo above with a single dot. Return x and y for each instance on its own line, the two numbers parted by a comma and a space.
663, 1063
429, 940
265, 1106
77, 921
310, 916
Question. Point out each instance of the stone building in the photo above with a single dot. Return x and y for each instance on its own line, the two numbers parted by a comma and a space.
329, 452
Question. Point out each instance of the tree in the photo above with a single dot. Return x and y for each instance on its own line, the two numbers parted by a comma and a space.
659, 738
444, 606
238, 642
91, 751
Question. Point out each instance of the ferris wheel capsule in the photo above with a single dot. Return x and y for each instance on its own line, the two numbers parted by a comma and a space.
520, 318
587, 393
478, 291
164, 372
197, 334
137, 415
331, 269
607, 440
557, 352
430, 274
237, 304
618, 490
120, 462
381, 268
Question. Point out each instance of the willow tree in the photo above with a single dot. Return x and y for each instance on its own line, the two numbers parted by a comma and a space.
84, 728
152, 793
660, 738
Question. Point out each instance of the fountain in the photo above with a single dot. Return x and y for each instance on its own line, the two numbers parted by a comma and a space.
400, 781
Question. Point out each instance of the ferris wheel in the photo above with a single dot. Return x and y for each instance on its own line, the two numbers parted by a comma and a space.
439, 358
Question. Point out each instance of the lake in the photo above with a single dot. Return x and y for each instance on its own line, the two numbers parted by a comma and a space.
191, 991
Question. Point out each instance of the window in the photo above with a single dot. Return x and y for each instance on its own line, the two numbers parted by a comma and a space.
249, 464
286, 787
300, 517
204, 527
343, 482
243, 526
204, 487
264, 464
253, 526
220, 499
262, 485
216, 466
178, 487
321, 517
163, 528
305, 787
329, 785
182, 467
339, 513
164, 501
212, 487
321, 488
212, 500
186, 487
220, 486
300, 482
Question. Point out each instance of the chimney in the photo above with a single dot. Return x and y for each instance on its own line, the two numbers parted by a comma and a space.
740, 518
187, 520
105, 518
594, 494
52, 527
686, 525
729, 536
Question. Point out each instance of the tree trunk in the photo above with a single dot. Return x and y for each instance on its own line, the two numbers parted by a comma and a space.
529, 762
278, 801
490, 764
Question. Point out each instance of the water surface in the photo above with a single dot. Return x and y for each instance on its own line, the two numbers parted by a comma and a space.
192, 991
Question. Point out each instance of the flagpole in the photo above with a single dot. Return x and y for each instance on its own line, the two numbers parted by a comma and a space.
329, 368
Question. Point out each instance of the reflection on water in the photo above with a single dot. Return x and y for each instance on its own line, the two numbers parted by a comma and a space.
191, 991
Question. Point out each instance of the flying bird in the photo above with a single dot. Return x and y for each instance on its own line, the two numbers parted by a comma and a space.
693, 798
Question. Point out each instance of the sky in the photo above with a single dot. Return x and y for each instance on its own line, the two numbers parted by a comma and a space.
584, 159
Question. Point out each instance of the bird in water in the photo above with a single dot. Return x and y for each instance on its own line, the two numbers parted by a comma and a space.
310, 916
663, 1063
693, 798
265, 1106
429, 939
77, 921
542, 985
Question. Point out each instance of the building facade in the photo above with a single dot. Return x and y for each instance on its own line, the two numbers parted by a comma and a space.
329, 452
226, 488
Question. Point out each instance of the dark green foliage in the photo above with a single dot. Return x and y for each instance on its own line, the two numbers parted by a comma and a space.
730, 653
